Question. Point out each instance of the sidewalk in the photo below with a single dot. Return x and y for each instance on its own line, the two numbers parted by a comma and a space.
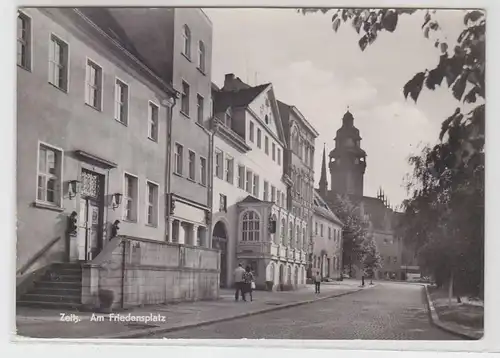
47, 323
465, 319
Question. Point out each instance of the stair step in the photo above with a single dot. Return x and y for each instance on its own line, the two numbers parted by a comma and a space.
58, 284
57, 277
76, 292
39, 304
35, 297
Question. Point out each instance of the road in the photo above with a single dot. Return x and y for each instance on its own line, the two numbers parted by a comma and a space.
389, 311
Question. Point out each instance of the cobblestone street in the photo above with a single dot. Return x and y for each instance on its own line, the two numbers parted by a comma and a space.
390, 311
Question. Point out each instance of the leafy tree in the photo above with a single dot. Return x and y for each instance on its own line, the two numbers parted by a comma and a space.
354, 230
371, 258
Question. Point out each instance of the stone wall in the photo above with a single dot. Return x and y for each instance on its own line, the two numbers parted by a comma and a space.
141, 272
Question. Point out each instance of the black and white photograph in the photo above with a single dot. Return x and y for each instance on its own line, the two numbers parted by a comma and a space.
217, 173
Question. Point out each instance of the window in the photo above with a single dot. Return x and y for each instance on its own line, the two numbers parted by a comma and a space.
278, 198
178, 158
266, 118
228, 118
266, 145
49, 176
130, 197
152, 213
218, 163
321, 230
121, 102
259, 138
201, 56
23, 41
316, 228
229, 170
273, 194
329, 232
241, 177
304, 240
248, 186
93, 94
306, 158
203, 171
255, 189
283, 231
279, 156
185, 98
395, 259
251, 226
283, 199
251, 134
58, 63
297, 238
153, 121
192, 165
274, 151
265, 196
186, 35
199, 108
290, 234
223, 203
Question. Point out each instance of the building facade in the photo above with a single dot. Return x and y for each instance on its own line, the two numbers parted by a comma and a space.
347, 165
252, 222
327, 241
299, 165
177, 44
93, 119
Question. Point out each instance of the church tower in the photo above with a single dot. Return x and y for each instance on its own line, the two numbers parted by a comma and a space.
347, 160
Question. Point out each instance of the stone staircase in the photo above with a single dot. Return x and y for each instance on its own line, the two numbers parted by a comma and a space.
60, 287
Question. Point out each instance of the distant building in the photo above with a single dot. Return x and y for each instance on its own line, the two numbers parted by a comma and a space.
347, 166
252, 221
326, 241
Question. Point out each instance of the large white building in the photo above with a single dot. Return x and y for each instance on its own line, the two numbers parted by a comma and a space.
252, 224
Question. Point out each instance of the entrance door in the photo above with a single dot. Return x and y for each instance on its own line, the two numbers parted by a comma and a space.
219, 241
90, 230
328, 267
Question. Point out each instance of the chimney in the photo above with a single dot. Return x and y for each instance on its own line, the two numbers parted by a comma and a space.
228, 81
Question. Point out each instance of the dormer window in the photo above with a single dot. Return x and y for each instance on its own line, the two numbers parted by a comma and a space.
228, 119
267, 119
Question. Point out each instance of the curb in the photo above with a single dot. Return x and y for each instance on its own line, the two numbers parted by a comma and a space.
444, 326
152, 331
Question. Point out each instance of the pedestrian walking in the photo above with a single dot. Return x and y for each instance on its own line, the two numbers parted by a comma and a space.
239, 282
249, 281
317, 282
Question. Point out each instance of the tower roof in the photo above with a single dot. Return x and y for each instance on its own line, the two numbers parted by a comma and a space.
348, 130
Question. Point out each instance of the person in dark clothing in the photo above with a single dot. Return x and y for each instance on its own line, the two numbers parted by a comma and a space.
239, 282
317, 282
249, 280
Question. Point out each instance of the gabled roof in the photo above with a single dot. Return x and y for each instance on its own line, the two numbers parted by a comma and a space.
251, 199
241, 98
298, 114
321, 207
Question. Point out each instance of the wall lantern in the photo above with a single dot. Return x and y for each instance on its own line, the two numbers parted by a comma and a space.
73, 188
117, 200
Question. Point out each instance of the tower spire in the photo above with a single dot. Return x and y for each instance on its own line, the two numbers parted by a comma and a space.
323, 183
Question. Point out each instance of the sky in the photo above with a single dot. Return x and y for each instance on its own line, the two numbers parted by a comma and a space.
323, 73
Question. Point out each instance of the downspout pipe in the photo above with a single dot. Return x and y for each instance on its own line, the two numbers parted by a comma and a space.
172, 101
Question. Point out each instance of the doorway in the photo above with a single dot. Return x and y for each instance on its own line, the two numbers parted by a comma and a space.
219, 241
90, 226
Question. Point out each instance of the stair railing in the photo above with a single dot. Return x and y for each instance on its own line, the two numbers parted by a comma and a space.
37, 256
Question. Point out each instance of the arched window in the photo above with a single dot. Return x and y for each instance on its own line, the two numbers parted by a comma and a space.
251, 226
267, 119
283, 232
201, 56
186, 34
271, 272
297, 238
290, 235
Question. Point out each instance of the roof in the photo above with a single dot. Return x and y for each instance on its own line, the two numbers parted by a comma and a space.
240, 98
299, 114
323, 209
